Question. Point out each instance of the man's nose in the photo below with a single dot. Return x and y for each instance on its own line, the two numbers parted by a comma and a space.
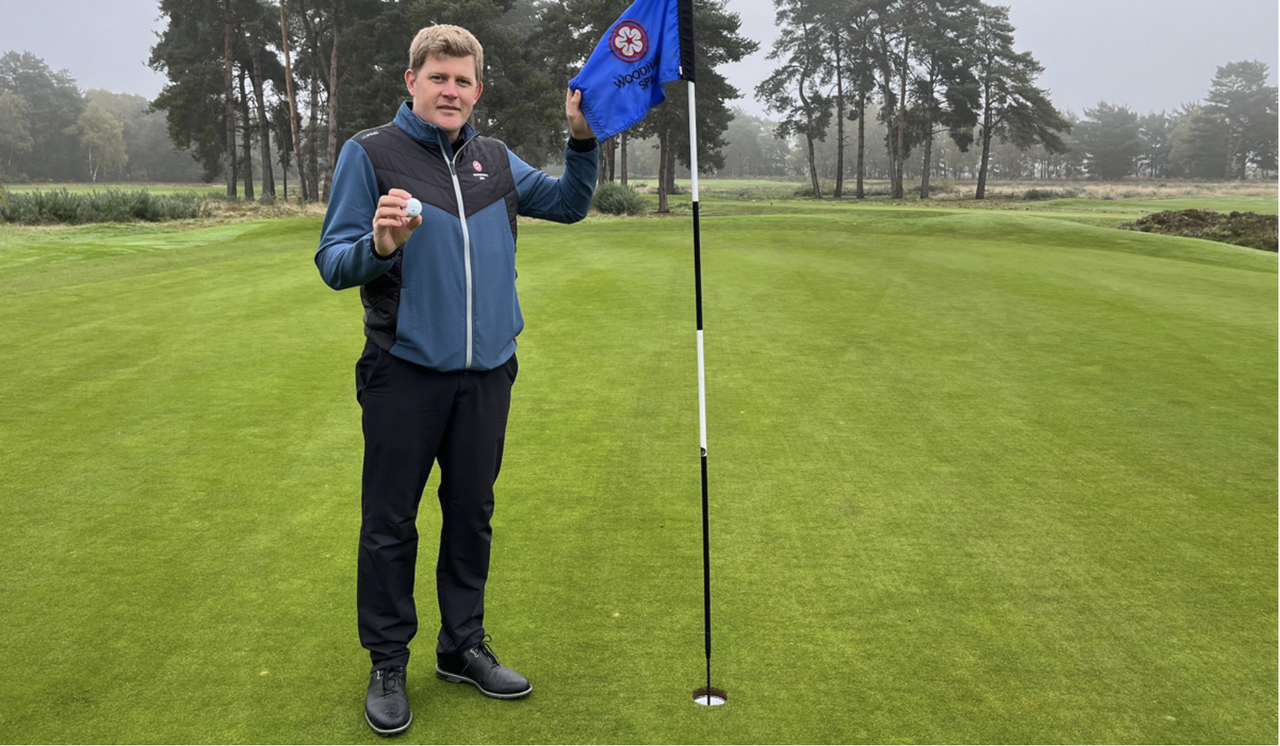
450, 89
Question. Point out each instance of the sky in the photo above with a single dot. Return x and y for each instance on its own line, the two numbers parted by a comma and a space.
1150, 55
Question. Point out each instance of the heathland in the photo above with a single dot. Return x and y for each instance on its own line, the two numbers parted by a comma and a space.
976, 475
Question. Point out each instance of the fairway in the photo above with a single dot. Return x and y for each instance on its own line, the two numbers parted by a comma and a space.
975, 476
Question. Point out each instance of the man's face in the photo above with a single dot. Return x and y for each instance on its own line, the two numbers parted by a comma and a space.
444, 91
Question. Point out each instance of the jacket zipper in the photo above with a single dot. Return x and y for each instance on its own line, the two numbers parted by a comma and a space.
466, 241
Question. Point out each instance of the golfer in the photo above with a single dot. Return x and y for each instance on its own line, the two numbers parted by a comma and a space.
441, 319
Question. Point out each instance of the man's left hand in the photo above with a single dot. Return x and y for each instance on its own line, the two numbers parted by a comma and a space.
578, 127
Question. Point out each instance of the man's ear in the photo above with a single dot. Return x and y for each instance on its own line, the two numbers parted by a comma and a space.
408, 80
479, 90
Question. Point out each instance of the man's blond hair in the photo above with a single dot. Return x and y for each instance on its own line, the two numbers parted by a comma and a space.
443, 41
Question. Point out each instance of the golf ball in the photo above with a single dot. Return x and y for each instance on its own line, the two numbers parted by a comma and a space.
414, 208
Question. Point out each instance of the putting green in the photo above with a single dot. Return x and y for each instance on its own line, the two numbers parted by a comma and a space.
975, 477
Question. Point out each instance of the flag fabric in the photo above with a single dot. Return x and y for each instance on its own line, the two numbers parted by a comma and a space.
650, 45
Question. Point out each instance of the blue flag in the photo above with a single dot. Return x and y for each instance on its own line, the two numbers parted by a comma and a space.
650, 45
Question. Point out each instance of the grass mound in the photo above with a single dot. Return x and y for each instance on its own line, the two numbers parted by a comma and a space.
1239, 228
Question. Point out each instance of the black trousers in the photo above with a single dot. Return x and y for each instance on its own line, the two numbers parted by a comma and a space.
412, 417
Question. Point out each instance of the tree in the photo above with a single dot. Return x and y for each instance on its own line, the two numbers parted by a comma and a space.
259, 31
1154, 130
1012, 106
716, 38
151, 155
1198, 144
946, 92
293, 102
229, 96
191, 53
101, 141
15, 138
53, 104
1246, 108
567, 33
282, 130
793, 90
1111, 141
752, 148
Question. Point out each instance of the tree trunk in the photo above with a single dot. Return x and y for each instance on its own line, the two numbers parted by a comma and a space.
808, 136
813, 169
248, 141
312, 166
986, 147
671, 170
231, 103
891, 143
839, 190
662, 173
602, 174
293, 103
623, 150
928, 154
264, 128
332, 150
862, 143
927, 169
899, 188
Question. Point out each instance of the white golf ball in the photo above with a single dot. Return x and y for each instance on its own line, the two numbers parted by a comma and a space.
414, 208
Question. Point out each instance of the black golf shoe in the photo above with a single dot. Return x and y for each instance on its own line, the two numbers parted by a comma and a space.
479, 667
386, 706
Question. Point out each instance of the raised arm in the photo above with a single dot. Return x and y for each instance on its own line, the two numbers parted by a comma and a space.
566, 199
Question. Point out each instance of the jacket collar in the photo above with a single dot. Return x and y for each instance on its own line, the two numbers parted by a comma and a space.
425, 132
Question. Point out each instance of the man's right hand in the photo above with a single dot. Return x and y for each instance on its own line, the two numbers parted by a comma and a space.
391, 224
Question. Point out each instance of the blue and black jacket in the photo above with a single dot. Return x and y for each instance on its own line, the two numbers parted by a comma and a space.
446, 299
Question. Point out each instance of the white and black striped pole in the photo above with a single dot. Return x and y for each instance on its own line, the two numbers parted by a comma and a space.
708, 696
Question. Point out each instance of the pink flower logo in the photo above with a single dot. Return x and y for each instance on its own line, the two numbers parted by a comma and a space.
628, 41
476, 165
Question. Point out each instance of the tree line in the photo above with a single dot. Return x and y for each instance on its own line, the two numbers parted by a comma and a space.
1230, 134
260, 89
943, 77
244, 74
51, 130
923, 67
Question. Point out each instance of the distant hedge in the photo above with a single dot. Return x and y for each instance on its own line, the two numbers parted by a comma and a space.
110, 206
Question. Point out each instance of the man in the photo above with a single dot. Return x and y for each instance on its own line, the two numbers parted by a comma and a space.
441, 318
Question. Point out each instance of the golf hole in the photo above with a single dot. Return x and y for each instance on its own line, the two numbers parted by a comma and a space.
717, 696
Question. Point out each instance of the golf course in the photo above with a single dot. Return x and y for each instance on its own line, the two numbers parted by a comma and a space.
975, 475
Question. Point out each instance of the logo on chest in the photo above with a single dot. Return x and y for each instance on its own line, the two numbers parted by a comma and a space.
479, 171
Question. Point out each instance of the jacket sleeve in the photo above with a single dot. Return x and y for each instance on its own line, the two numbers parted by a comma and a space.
566, 199
346, 257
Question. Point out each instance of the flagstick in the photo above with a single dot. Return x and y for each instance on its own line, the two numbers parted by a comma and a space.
702, 382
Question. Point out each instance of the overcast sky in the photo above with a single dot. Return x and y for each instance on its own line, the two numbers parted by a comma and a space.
1148, 54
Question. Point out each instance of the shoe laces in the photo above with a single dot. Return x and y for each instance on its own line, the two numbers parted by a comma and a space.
484, 647
392, 679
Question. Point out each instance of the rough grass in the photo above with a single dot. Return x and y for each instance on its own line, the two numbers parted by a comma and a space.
975, 477
1238, 228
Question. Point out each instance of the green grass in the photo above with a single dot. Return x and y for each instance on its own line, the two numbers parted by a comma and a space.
975, 477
